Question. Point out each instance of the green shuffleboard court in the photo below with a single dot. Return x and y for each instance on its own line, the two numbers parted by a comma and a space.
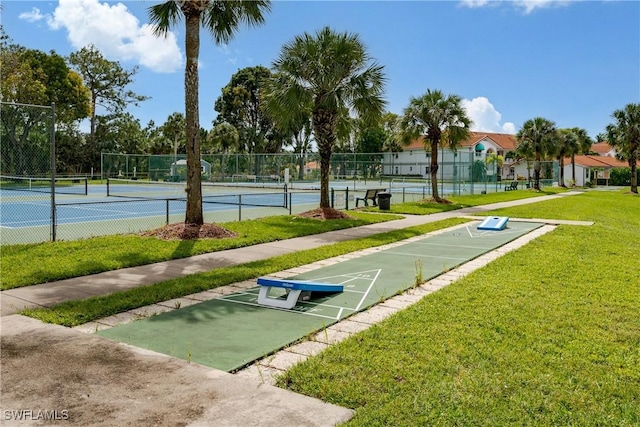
231, 332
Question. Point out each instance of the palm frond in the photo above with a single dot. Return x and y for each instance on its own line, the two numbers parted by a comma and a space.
163, 16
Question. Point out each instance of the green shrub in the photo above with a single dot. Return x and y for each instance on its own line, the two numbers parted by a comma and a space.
620, 176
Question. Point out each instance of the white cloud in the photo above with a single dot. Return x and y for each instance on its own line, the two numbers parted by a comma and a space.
32, 16
527, 6
475, 3
485, 117
117, 33
530, 5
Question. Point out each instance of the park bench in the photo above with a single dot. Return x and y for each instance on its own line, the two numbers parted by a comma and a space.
512, 186
295, 289
371, 194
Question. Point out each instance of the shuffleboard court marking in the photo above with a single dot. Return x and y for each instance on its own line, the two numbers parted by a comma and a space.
484, 233
470, 233
427, 244
316, 306
414, 254
298, 309
368, 289
308, 308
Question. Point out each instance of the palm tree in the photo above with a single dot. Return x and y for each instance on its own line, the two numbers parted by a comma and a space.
496, 161
567, 145
625, 137
584, 143
392, 143
325, 77
441, 119
540, 133
222, 19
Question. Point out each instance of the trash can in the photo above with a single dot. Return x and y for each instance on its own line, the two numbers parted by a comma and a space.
384, 201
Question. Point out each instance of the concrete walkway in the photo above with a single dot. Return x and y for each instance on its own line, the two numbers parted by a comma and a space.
100, 382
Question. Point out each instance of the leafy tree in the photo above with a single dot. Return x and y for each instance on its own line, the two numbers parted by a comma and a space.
624, 135
107, 82
325, 76
120, 133
391, 126
157, 143
37, 78
222, 19
34, 77
442, 120
371, 142
298, 136
241, 106
224, 139
393, 141
540, 134
71, 152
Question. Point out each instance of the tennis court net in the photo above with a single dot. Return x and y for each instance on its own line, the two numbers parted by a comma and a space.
138, 189
73, 185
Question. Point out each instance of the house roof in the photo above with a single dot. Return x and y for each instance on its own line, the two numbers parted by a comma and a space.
597, 162
505, 141
601, 148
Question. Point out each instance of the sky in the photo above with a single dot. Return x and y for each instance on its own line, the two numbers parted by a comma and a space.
572, 62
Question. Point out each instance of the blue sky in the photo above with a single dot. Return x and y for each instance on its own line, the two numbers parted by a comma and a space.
573, 62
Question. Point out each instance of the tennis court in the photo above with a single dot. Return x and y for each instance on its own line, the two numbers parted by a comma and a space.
126, 207
232, 331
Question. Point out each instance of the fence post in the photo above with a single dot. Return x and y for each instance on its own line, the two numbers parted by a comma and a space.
346, 198
167, 211
53, 172
239, 207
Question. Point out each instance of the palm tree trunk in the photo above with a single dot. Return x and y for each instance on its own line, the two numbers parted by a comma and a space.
633, 162
434, 171
325, 163
561, 159
324, 127
193, 214
573, 168
536, 172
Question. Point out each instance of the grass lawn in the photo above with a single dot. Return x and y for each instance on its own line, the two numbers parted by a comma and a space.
25, 265
547, 335
74, 313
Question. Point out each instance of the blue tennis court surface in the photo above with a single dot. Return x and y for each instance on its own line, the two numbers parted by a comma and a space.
21, 209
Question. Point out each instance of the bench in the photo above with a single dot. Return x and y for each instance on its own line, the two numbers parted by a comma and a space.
512, 186
371, 194
294, 289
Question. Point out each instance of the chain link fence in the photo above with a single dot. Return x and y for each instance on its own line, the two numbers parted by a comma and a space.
27, 172
38, 206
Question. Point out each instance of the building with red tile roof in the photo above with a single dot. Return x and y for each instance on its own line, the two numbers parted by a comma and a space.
603, 149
